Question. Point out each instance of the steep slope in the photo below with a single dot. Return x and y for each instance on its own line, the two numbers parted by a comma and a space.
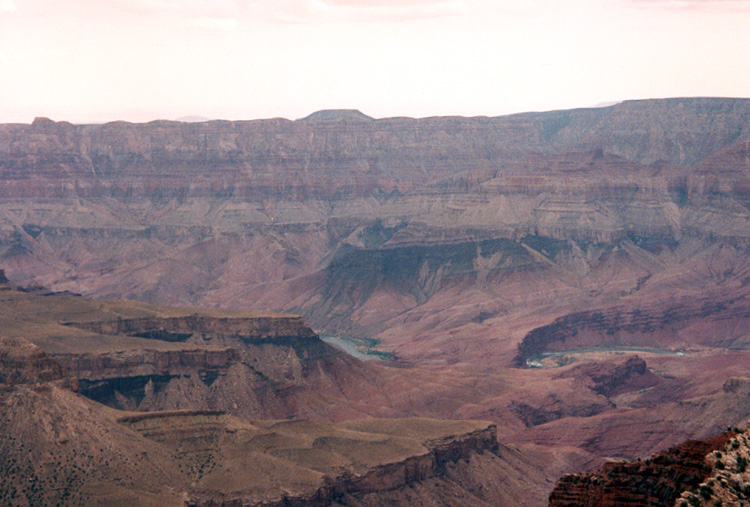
139, 357
319, 216
60, 448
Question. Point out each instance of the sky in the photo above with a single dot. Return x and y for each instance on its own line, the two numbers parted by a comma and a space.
140, 60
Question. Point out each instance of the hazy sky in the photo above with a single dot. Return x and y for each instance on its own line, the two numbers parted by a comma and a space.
138, 60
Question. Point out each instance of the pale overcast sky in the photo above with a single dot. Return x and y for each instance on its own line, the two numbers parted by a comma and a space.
138, 60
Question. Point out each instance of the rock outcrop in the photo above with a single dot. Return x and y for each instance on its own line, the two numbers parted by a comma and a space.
406, 460
729, 481
22, 362
255, 329
655, 482
610, 379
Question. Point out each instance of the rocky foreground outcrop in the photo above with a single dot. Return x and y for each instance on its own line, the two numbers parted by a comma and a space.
655, 482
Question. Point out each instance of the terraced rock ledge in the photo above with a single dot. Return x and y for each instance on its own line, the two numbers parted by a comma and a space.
240, 463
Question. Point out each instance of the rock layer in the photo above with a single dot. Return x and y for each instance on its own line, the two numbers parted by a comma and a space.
129, 355
655, 482
444, 241
657, 326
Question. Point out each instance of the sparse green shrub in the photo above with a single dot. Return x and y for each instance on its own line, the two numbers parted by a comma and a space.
719, 464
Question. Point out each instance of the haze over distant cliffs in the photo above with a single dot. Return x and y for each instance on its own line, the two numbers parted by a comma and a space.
354, 221
468, 248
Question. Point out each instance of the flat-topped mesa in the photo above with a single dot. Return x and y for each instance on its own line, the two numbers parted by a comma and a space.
441, 452
404, 148
135, 368
256, 329
218, 358
138, 357
337, 114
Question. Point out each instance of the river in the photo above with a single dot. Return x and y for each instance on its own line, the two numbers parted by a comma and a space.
352, 348
537, 361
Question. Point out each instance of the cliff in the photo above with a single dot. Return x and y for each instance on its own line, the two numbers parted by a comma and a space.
340, 141
658, 326
141, 357
729, 481
255, 329
22, 362
375, 461
60, 448
679, 472
350, 221
451, 243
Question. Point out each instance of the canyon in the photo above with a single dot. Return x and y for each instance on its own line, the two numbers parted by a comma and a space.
118, 408
458, 247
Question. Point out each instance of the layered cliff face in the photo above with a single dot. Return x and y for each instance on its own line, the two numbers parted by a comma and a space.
464, 246
359, 223
21, 362
657, 481
60, 448
140, 357
695, 473
660, 326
